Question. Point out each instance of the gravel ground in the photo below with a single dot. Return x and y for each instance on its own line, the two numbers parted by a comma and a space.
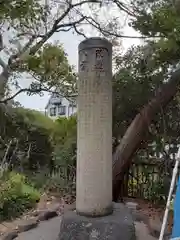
48, 230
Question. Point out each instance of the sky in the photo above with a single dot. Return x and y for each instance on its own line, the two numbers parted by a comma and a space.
70, 43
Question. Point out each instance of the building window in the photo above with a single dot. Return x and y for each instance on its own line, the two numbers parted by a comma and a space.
56, 99
72, 105
52, 111
61, 110
55, 95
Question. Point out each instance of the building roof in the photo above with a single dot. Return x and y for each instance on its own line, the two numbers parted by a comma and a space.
70, 97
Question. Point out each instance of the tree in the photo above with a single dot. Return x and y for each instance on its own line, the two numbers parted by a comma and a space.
35, 23
65, 140
156, 64
50, 72
28, 133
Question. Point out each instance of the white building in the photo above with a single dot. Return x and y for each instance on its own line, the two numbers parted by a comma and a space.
58, 106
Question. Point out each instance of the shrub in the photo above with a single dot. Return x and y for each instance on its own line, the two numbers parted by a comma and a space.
16, 195
38, 179
57, 183
60, 181
60, 184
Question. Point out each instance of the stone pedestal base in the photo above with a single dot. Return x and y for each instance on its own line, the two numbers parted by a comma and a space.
117, 226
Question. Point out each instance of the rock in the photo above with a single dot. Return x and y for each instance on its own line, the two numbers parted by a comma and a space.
43, 201
35, 213
70, 207
48, 211
154, 226
132, 205
27, 225
47, 214
116, 226
55, 207
11, 234
3, 229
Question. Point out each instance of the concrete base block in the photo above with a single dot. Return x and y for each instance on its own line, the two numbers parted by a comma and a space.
117, 226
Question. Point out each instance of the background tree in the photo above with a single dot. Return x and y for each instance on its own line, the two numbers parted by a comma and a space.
153, 64
38, 21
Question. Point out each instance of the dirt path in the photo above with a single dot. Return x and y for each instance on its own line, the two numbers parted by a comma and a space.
142, 232
49, 230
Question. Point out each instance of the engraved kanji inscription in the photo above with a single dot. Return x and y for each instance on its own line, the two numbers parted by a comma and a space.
83, 61
100, 55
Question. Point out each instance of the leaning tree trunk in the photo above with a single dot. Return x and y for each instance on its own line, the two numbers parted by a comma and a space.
136, 131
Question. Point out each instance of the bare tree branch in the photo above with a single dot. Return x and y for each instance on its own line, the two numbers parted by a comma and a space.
3, 64
1, 42
122, 6
21, 91
71, 6
59, 25
71, 23
54, 28
30, 90
65, 30
78, 32
29, 34
22, 52
96, 25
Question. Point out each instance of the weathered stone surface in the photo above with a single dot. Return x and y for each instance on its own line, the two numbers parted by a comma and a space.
52, 208
117, 226
94, 128
27, 225
12, 234
47, 214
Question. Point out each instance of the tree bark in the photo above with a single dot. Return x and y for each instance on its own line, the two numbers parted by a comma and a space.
134, 135
4, 76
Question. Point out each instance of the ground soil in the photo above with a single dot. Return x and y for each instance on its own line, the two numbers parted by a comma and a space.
153, 218
153, 215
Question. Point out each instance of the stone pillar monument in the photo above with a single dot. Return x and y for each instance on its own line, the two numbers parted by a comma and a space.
94, 135
95, 217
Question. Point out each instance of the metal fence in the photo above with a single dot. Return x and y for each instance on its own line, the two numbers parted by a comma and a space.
147, 181
143, 180
67, 172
